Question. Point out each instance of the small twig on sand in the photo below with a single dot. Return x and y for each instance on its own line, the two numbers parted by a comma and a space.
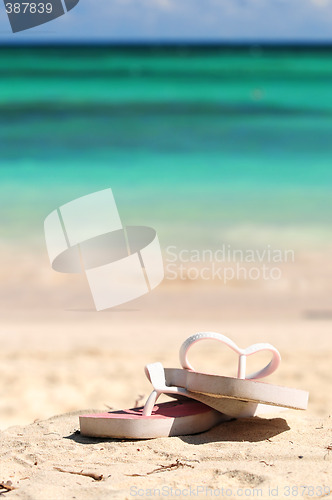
96, 477
138, 400
266, 463
8, 486
164, 468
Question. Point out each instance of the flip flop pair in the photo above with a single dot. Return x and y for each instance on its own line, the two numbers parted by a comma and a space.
201, 400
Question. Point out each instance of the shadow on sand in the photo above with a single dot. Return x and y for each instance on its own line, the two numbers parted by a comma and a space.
252, 430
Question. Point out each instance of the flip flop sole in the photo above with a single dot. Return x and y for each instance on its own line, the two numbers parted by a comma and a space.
175, 418
233, 396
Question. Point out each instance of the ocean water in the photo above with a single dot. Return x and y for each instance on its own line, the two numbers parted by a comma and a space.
207, 145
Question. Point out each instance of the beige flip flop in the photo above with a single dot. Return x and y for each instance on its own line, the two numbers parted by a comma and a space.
241, 396
203, 400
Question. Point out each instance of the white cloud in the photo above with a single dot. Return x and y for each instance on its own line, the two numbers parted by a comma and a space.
161, 4
145, 4
321, 3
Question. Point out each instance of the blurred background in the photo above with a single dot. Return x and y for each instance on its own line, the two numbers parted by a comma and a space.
211, 121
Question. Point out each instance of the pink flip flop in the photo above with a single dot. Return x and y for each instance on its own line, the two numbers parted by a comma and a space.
202, 400
174, 418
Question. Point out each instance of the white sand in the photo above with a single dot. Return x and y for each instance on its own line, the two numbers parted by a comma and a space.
59, 355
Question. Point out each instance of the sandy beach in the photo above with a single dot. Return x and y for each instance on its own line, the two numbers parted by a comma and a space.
225, 151
265, 458
60, 357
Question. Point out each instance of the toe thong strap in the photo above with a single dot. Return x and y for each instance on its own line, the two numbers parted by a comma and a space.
156, 374
242, 353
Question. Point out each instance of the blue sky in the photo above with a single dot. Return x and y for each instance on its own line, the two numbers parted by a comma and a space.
229, 20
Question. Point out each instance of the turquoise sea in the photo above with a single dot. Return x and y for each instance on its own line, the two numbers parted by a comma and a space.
205, 144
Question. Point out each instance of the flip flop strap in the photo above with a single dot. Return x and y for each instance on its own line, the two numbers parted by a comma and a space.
156, 374
242, 353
